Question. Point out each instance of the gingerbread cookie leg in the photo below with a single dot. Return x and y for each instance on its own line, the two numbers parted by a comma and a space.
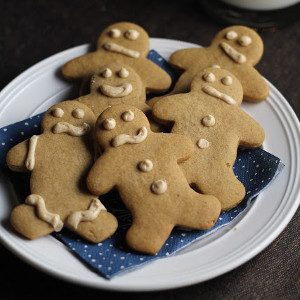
25, 221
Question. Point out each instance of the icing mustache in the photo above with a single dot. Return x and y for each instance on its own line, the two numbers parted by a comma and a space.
122, 139
113, 47
116, 91
232, 53
65, 127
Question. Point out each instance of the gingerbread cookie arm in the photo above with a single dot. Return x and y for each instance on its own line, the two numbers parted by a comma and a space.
255, 88
100, 179
183, 59
166, 108
156, 79
17, 156
82, 66
251, 133
181, 146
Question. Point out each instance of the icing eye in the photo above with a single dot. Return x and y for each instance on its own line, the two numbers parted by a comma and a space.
57, 112
78, 113
127, 115
131, 34
209, 77
230, 35
123, 73
227, 80
115, 33
109, 123
106, 73
245, 40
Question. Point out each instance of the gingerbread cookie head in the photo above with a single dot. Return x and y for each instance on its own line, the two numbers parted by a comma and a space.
125, 38
241, 44
220, 84
121, 124
116, 81
69, 117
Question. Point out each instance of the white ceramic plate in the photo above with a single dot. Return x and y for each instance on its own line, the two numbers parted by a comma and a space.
41, 86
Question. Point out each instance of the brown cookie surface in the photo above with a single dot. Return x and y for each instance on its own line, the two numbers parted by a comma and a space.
143, 167
210, 115
59, 160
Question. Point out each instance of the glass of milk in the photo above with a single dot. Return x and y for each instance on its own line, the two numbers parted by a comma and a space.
253, 13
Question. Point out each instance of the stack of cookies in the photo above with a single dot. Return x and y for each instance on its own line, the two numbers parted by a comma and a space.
170, 159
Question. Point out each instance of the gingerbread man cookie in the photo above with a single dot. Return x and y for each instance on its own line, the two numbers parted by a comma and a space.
126, 43
117, 84
59, 160
237, 49
143, 167
210, 115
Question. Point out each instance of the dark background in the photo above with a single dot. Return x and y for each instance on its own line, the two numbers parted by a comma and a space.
33, 30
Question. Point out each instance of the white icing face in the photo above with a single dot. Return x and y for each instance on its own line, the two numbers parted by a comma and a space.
245, 40
231, 35
127, 115
209, 77
227, 80
109, 123
65, 127
57, 112
131, 34
217, 94
115, 33
233, 53
78, 113
106, 73
123, 73
116, 91
122, 139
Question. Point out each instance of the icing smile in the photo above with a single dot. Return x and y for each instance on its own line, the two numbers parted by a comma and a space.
113, 47
116, 91
65, 127
232, 53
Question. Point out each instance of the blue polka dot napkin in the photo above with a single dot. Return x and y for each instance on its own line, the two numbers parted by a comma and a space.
256, 169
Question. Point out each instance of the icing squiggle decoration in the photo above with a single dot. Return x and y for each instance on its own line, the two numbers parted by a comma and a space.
86, 215
215, 93
122, 139
109, 123
233, 54
65, 127
159, 187
113, 47
43, 213
30, 160
116, 91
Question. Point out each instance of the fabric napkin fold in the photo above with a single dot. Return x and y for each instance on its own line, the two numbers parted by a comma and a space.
256, 169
